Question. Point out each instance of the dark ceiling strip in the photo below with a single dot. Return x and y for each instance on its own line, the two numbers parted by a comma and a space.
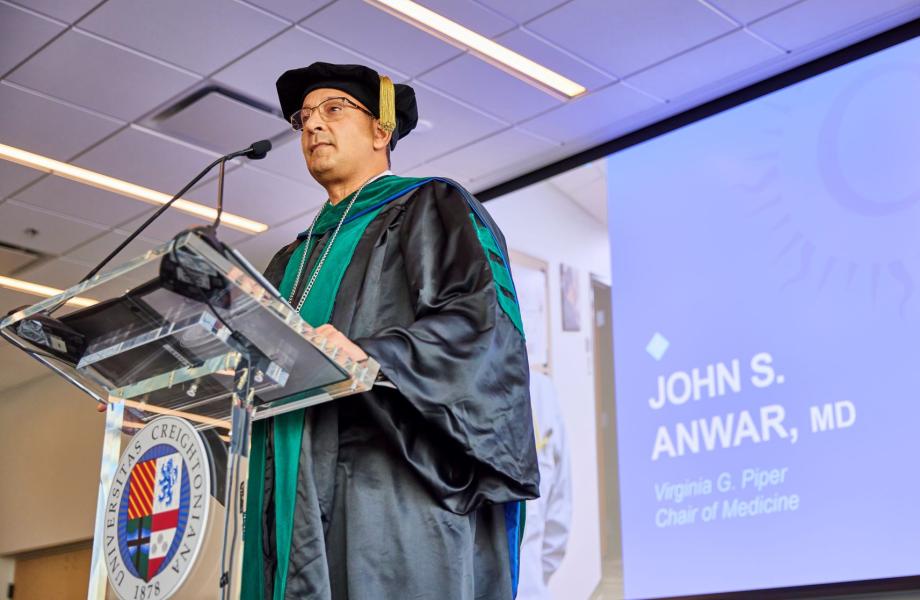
193, 97
886, 39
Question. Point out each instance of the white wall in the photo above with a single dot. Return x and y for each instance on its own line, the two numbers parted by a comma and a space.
50, 444
543, 223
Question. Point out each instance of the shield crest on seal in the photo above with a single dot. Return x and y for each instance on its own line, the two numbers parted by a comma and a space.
161, 509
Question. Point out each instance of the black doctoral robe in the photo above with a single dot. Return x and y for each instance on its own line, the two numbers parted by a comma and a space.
405, 492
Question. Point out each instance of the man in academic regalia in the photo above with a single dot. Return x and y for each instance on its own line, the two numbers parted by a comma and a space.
416, 488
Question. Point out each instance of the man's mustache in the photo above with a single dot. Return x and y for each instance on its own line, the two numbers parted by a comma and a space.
314, 142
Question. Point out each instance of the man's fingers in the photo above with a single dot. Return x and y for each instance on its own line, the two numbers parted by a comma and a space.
337, 338
332, 335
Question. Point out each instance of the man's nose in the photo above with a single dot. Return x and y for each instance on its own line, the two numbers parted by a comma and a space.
313, 123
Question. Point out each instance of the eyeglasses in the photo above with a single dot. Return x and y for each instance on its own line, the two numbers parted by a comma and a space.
330, 110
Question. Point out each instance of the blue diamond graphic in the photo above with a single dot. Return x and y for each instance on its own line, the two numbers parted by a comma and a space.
657, 346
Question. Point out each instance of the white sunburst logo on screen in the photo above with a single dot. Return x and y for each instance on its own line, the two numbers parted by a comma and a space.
838, 186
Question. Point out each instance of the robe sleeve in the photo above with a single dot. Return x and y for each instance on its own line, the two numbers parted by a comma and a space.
462, 364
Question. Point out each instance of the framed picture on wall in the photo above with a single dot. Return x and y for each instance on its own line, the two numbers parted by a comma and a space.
531, 279
571, 311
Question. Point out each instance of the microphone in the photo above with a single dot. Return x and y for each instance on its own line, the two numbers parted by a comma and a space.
259, 149
256, 151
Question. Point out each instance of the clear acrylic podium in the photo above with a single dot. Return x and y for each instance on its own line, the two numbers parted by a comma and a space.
208, 340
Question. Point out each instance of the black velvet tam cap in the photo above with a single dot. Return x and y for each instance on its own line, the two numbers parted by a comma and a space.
362, 83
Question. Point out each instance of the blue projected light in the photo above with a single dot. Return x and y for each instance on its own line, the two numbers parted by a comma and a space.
766, 304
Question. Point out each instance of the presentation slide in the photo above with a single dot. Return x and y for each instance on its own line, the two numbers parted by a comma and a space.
766, 321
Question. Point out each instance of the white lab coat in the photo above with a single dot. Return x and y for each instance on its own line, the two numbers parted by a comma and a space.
549, 517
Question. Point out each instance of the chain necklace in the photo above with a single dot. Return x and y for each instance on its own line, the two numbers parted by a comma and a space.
322, 259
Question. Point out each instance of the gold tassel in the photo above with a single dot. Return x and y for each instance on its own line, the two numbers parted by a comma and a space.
387, 103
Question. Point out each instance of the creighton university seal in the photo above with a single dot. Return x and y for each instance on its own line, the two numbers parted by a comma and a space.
157, 510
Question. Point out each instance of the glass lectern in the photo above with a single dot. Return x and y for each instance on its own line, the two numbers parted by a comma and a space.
207, 340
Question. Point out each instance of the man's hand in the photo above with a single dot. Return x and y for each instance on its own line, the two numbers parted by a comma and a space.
338, 339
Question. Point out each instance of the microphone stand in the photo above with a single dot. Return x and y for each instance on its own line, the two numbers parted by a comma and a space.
256, 151
152, 218
220, 193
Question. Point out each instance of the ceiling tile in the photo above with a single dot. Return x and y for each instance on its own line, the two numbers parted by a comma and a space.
814, 20
255, 74
61, 273
65, 10
262, 196
500, 152
172, 222
14, 177
590, 114
447, 126
292, 10
626, 36
697, 69
522, 11
13, 260
471, 15
9, 300
745, 11
531, 46
35, 123
73, 199
259, 249
21, 34
432, 170
138, 275
76, 67
372, 32
201, 36
120, 285
222, 124
93, 252
55, 233
286, 158
147, 159
478, 83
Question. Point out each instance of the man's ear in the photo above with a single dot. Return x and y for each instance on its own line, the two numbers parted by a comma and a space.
381, 136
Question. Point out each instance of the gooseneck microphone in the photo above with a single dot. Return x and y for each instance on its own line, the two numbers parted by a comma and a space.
256, 151
259, 149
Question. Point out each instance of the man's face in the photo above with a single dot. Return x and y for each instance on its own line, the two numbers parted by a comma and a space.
335, 150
